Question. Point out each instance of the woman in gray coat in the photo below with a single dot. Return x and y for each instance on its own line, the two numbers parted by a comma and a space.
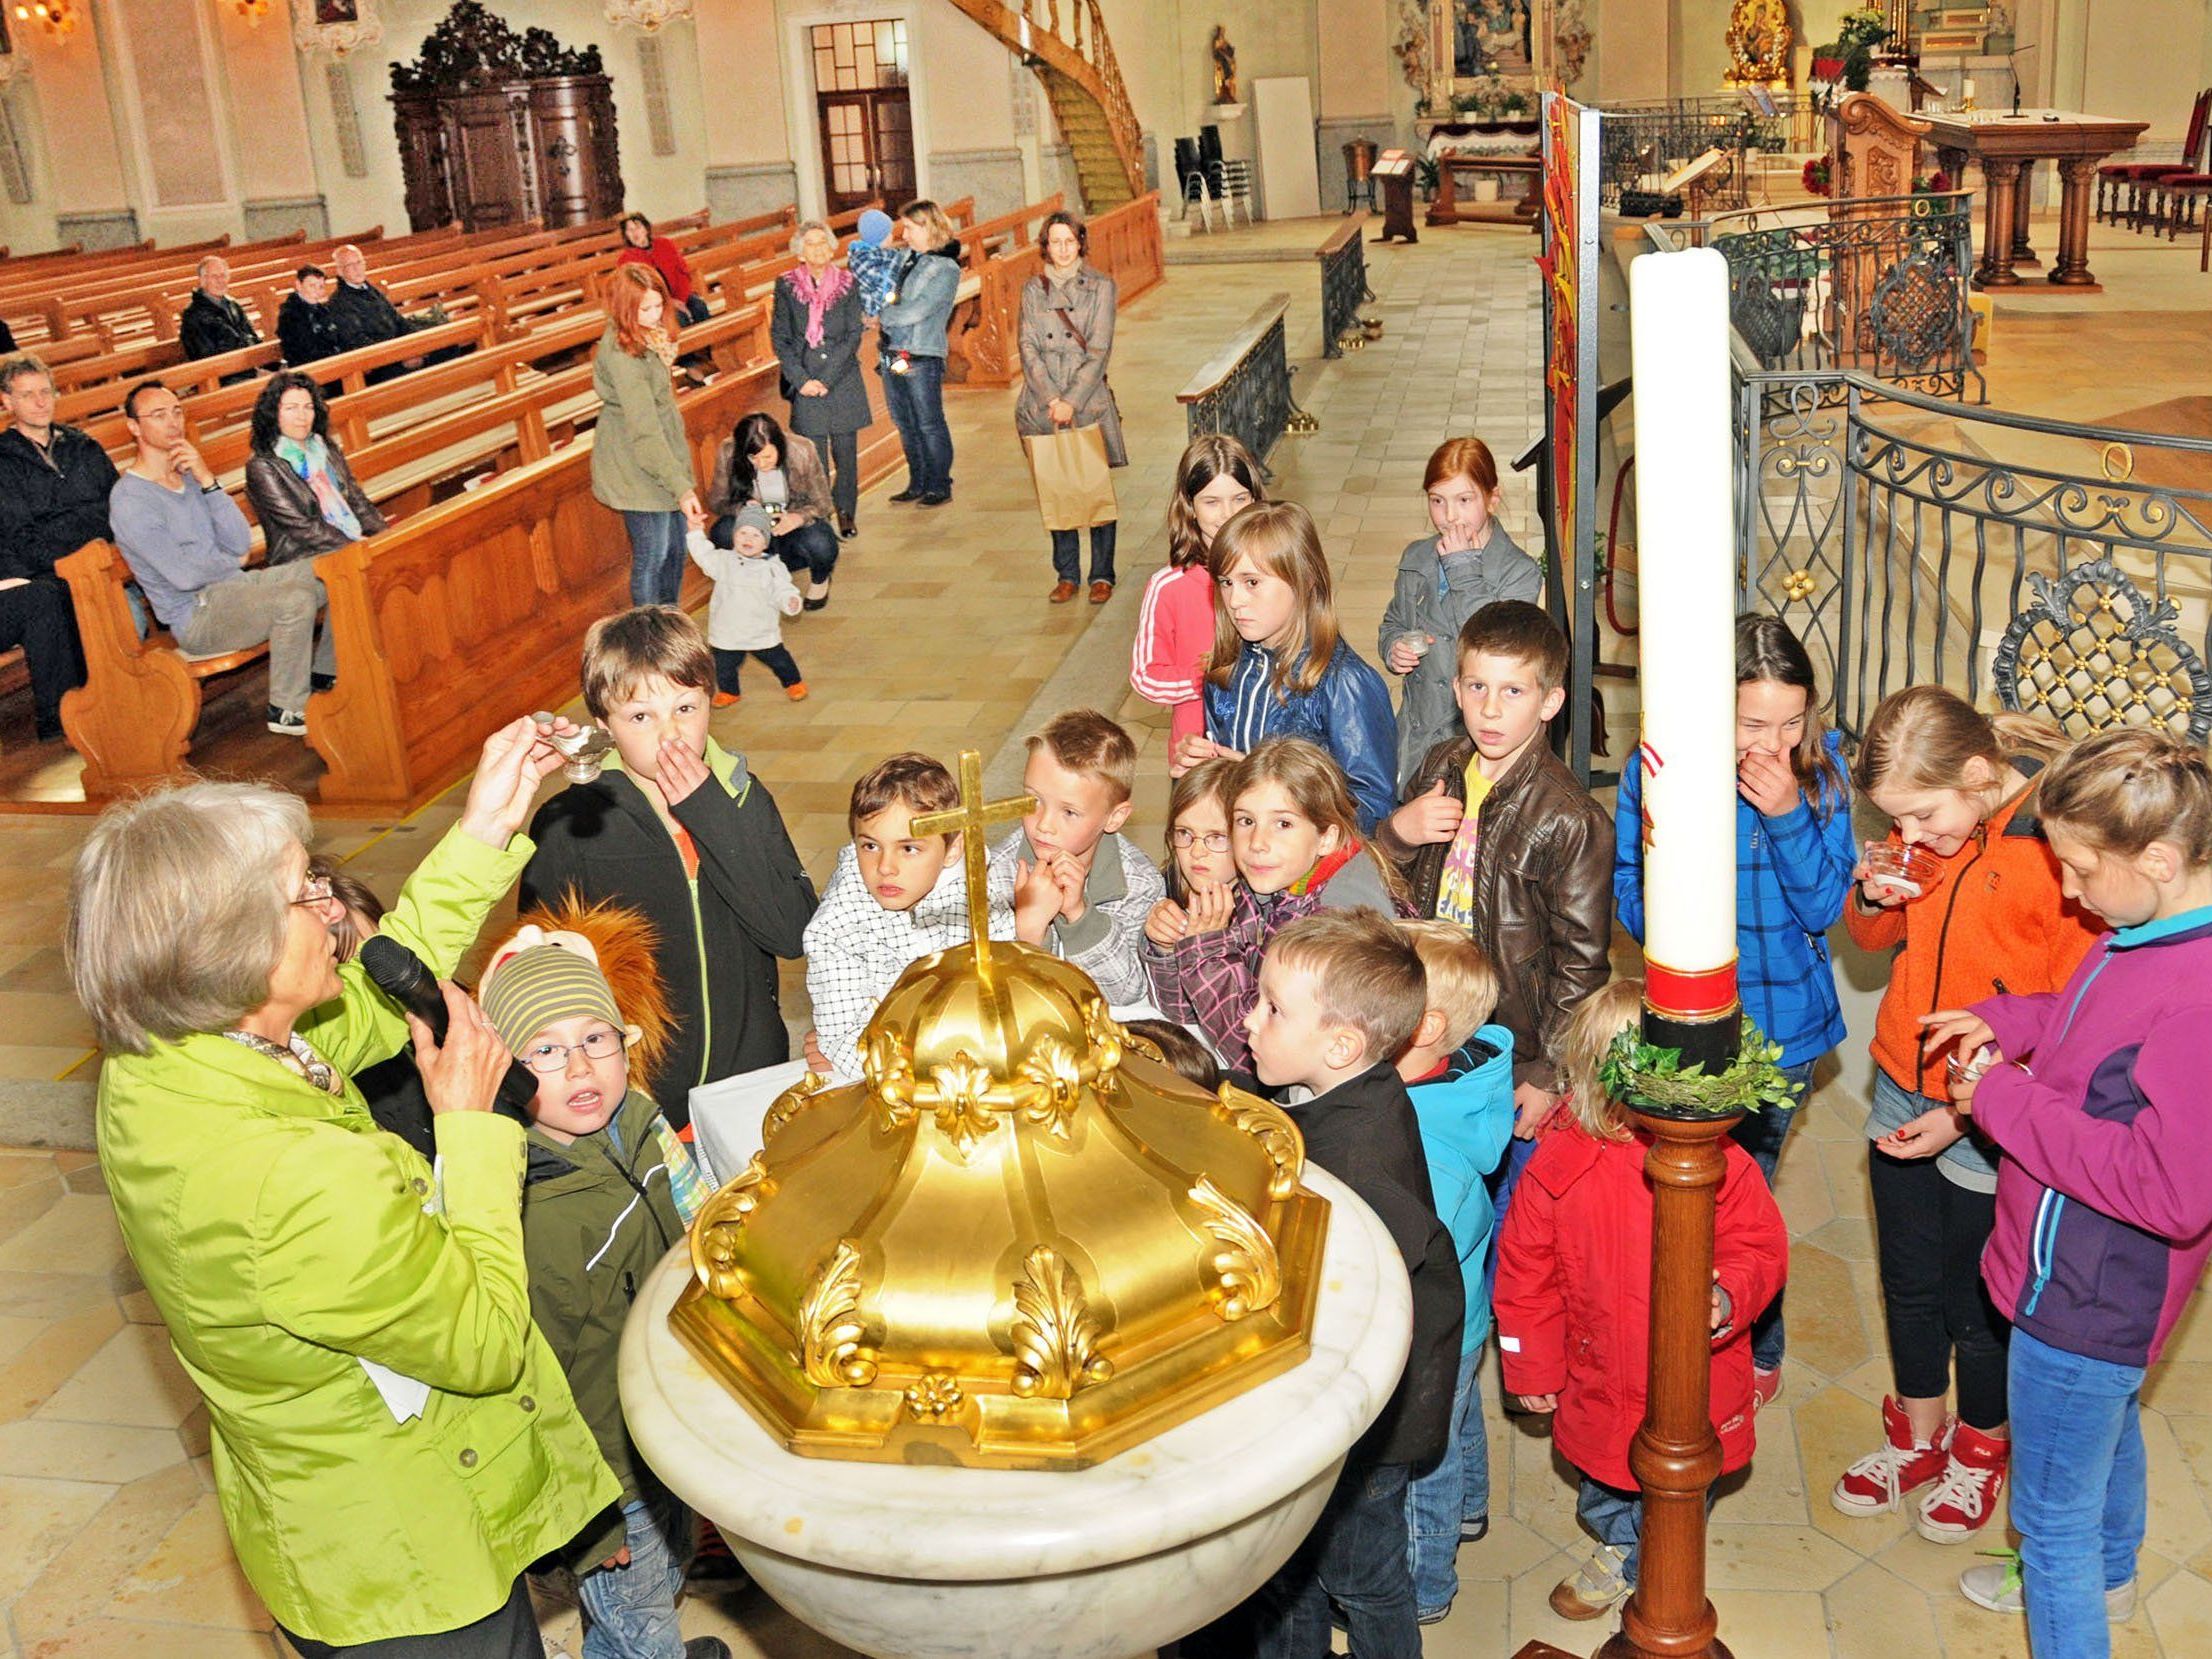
815, 327
1067, 334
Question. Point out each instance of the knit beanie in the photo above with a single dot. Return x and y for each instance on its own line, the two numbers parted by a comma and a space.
752, 516
875, 227
540, 985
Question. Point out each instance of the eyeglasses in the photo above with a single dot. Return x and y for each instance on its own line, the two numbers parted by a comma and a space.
1217, 841
548, 1058
315, 891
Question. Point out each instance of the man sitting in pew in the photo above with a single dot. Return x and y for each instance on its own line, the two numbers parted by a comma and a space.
305, 326
54, 483
213, 322
366, 315
186, 542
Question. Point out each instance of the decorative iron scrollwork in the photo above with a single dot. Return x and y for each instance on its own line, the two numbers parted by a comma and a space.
2093, 652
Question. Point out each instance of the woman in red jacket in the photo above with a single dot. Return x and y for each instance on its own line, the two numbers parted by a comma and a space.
1573, 1298
641, 247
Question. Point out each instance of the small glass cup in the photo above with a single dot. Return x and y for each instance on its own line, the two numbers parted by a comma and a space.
1892, 864
587, 748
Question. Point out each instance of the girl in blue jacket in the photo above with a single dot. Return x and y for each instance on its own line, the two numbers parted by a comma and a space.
1794, 858
1280, 667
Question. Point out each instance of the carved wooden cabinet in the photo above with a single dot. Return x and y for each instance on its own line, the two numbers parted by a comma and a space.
543, 149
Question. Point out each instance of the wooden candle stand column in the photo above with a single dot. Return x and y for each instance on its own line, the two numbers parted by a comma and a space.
1677, 1455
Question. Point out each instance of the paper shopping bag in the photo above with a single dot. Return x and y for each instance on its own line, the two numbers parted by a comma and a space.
1075, 489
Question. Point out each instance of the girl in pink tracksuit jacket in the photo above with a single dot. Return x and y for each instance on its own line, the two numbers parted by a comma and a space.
1216, 479
2097, 1094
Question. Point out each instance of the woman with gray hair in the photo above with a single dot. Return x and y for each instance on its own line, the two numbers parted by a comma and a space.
394, 1441
815, 328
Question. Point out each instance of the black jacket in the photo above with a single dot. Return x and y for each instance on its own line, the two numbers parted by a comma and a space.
718, 947
307, 332
53, 500
365, 316
1365, 1133
292, 525
210, 327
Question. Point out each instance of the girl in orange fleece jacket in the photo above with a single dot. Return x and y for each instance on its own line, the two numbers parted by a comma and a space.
1985, 917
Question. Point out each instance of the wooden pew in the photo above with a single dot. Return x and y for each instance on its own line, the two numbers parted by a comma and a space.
1125, 245
481, 604
134, 719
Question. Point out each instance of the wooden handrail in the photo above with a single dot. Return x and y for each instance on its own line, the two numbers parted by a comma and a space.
1214, 373
1033, 31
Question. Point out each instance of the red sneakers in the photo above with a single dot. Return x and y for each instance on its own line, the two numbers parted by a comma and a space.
1962, 1501
1879, 1481
1765, 1386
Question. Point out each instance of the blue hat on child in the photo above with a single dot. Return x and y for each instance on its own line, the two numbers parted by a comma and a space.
875, 227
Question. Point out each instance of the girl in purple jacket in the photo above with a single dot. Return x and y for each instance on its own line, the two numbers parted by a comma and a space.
2104, 1199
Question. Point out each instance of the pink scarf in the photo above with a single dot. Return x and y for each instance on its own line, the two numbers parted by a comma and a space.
819, 296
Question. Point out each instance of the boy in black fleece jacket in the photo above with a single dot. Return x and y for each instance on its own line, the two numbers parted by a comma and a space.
1340, 994
677, 830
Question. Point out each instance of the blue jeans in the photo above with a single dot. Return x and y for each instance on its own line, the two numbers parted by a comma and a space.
656, 557
1615, 1517
630, 1612
1355, 1557
1761, 1134
2078, 1491
916, 401
1456, 1491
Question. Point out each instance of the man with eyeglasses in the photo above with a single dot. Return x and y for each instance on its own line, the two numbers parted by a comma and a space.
186, 542
54, 484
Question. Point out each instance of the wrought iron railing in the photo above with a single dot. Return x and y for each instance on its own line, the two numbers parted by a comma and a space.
1878, 285
2061, 568
1343, 286
1244, 389
1640, 143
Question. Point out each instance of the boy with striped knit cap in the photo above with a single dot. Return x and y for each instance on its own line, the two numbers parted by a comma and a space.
607, 1191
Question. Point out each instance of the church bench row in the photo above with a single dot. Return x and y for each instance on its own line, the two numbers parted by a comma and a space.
432, 585
502, 275
263, 288
59, 305
133, 719
38, 274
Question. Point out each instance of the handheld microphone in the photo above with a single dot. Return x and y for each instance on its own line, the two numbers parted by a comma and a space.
404, 977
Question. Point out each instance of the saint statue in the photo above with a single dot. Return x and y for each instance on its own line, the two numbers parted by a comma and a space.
1225, 67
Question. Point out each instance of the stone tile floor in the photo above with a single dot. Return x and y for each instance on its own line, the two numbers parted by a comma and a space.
110, 1542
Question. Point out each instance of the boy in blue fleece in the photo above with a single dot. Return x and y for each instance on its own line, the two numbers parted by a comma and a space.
1459, 1072
873, 262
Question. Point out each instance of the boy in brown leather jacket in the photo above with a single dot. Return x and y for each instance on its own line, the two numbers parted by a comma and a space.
1497, 836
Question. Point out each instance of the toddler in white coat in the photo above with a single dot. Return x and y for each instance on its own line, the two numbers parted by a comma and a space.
752, 595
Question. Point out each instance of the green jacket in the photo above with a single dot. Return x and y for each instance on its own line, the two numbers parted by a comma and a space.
640, 455
594, 1222
286, 1239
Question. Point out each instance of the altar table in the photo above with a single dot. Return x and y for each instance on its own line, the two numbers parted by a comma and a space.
2007, 146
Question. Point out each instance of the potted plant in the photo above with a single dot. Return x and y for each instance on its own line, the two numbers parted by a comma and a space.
1850, 56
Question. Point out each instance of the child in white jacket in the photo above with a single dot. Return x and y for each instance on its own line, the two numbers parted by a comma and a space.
752, 595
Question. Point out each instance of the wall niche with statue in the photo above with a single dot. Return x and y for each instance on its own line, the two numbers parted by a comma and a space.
500, 128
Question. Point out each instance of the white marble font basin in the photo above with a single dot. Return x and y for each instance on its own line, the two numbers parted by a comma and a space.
1102, 1563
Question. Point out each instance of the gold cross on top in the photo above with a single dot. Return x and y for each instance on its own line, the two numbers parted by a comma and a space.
969, 820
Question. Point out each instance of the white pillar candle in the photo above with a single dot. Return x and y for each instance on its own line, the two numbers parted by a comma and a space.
1678, 316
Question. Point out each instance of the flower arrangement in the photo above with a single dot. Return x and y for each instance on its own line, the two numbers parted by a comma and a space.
1850, 56
1816, 177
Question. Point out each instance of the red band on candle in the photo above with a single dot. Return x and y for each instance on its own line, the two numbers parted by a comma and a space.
1696, 995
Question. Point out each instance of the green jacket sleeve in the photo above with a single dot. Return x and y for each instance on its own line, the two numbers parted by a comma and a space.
340, 1260
437, 916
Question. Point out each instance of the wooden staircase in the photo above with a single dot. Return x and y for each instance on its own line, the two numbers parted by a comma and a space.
1064, 43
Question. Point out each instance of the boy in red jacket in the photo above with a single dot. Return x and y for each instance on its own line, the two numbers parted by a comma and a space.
1573, 1298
